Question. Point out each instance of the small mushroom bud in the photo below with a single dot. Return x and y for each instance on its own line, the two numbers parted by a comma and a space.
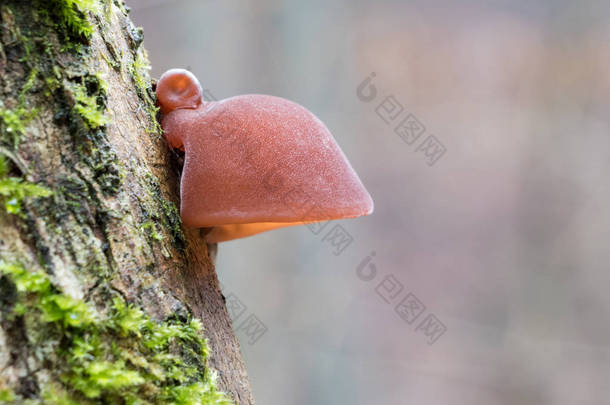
254, 162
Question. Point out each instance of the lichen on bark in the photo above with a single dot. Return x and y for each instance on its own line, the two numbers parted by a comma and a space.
94, 260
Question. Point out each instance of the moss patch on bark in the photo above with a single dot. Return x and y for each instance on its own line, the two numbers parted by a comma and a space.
120, 356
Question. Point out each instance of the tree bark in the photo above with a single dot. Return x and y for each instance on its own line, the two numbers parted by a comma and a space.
77, 117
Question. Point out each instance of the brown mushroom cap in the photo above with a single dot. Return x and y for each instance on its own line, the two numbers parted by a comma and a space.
256, 162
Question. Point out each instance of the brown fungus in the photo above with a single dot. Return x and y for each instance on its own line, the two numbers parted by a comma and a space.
254, 162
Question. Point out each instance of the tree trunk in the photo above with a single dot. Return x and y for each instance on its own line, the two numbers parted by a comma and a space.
100, 285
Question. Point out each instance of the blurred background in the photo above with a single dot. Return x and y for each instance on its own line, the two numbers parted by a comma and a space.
482, 277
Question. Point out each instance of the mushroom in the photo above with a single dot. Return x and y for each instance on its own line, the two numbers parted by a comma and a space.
254, 162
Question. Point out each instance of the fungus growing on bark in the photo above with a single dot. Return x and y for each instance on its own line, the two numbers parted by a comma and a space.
254, 162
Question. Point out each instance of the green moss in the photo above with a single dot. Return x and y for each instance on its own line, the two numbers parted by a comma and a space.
101, 83
151, 230
7, 395
121, 356
70, 16
139, 71
87, 107
13, 190
152, 111
169, 216
55, 395
29, 84
52, 81
111, 63
87, 123
173, 222
13, 123
108, 10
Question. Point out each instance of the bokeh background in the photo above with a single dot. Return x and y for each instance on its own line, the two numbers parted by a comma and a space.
504, 239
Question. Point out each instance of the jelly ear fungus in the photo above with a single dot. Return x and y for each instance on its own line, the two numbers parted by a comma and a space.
254, 162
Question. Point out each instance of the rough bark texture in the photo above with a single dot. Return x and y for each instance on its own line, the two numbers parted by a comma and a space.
110, 227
